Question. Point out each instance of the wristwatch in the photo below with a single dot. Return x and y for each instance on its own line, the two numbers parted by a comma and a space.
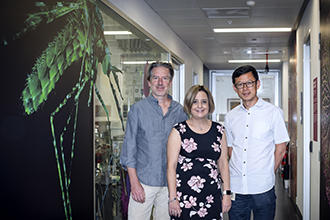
226, 192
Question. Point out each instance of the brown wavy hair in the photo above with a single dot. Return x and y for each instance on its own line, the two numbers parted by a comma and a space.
191, 95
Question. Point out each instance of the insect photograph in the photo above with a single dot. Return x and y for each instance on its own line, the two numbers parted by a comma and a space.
50, 54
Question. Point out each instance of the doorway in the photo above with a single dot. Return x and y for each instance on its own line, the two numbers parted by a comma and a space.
226, 98
178, 80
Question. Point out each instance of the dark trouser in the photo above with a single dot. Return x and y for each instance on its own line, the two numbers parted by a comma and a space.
263, 206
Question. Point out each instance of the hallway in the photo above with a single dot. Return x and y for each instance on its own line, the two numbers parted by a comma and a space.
284, 207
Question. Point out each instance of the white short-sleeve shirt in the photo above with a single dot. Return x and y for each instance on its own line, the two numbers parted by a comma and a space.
253, 134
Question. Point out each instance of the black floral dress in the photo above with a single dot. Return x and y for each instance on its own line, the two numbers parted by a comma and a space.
197, 177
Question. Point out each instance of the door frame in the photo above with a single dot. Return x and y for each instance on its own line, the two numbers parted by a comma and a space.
306, 121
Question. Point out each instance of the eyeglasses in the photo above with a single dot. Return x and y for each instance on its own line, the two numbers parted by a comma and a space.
248, 84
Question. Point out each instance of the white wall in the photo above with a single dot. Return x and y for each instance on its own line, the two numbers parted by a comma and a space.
141, 14
309, 23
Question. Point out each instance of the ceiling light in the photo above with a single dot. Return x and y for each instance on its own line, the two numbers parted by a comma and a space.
254, 61
253, 51
250, 3
139, 62
136, 62
117, 32
242, 30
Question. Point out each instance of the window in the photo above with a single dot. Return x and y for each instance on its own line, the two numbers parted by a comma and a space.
131, 52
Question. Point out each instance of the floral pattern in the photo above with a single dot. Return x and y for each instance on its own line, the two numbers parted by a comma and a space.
189, 145
221, 129
196, 183
216, 147
198, 179
182, 128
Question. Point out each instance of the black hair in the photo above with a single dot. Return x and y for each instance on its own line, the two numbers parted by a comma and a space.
243, 70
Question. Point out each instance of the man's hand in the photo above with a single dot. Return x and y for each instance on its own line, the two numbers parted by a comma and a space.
137, 190
138, 193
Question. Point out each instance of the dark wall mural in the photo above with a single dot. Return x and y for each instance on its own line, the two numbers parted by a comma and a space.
325, 111
292, 127
49, 55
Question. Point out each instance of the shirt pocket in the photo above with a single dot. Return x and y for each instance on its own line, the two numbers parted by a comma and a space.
261, 130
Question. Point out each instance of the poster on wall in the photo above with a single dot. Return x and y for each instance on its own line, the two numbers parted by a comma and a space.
325, 111
49, 54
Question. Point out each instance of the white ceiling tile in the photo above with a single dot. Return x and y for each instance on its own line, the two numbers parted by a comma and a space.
188, 20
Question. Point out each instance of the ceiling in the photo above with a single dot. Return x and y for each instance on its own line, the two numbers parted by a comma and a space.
188, 19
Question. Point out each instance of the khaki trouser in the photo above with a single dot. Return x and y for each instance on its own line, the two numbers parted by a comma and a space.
156, 197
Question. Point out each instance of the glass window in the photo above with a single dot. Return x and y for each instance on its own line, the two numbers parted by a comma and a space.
131, 52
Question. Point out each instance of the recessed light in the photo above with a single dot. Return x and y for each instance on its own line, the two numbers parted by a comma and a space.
250, 3
244, 30
254, 61
139, 62
117, 32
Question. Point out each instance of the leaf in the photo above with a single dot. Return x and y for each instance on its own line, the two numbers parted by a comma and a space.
192, 213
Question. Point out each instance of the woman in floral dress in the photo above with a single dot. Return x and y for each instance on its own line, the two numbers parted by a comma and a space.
196, 152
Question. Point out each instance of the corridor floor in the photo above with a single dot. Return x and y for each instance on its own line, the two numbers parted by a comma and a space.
284, 207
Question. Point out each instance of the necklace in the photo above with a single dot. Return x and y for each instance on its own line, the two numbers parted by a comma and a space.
200, 127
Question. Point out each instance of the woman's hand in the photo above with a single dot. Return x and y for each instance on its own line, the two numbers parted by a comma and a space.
174, 208
226, 203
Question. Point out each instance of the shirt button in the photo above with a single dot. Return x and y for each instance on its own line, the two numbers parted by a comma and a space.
249, 113
243, 174
247, 125
244, 149
245, 137
243, 161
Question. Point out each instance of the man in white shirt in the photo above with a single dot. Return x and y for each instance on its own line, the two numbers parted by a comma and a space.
256, 136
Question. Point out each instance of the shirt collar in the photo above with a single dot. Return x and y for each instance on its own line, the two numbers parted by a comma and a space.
259, 103
152, 99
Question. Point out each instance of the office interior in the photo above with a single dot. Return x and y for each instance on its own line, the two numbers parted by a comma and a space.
139, 32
